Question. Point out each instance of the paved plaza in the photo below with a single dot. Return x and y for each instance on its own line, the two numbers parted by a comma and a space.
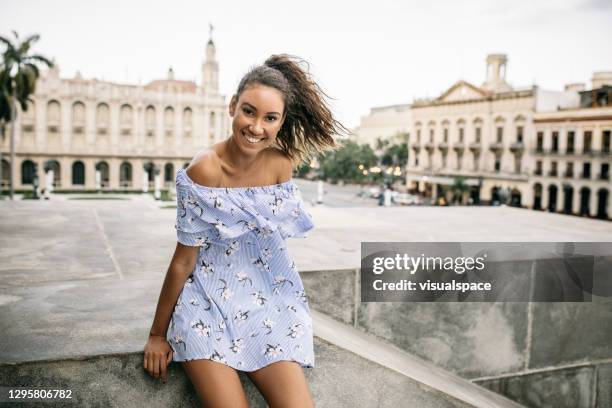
81, 261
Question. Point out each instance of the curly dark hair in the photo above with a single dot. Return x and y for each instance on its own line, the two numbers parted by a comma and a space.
309, 125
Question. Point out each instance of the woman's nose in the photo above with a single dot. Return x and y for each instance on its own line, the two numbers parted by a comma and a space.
256, 128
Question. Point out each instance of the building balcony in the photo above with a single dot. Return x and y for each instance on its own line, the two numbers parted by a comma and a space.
585, 176
459, 147
416, 146
475, 147
429, 146
603, 176
570, 150
78, 129
27, 128
568, 174
126, 131
552, 173
443, 146
496, 147
537, 172
517, 147
102, 129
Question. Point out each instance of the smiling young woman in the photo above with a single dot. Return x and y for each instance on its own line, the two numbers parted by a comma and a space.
232, 299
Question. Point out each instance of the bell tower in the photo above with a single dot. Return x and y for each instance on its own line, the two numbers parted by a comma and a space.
210, 67
496, 73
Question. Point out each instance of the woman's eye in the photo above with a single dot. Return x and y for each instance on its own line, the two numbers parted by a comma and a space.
271, 118
247, 111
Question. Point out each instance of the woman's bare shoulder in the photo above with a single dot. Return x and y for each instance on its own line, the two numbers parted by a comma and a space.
282, 164
205, 168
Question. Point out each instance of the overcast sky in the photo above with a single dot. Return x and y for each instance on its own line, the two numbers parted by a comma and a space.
363, 53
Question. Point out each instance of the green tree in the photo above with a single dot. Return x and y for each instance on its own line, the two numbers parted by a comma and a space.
18, 74
459, 188
343, 163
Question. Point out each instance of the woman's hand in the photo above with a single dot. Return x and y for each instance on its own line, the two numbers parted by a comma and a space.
157, 356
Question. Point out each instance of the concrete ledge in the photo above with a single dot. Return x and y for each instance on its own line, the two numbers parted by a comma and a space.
119, 380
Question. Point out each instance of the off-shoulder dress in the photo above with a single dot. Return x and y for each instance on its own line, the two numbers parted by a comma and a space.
244, 304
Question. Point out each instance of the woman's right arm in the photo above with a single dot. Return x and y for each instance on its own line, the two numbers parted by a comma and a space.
158, 352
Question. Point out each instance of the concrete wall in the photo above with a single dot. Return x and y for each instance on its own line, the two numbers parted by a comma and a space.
539, 354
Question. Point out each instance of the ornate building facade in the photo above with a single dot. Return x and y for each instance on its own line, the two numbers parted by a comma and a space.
573, 155
487, 135
122, 134
391, 123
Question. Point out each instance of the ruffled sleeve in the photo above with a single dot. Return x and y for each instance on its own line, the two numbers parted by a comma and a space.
205, 214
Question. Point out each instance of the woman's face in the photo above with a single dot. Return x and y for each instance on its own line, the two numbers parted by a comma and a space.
257, 117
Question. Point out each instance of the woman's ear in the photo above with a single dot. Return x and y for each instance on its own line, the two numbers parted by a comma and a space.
232, 105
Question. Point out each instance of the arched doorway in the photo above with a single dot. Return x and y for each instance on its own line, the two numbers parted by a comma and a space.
102, 167
568, 199
537, 196
6, 173
57, 174
149, 168
495, 196
515, 198
27, 172
585, 197
475, 194
78, 173
125, 174
169, 173
552, 198
602, 203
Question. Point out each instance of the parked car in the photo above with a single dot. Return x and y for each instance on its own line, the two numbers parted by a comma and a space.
406, 199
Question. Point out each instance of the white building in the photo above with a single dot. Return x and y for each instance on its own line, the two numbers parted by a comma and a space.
486, 135
128, 132
391, 123
573, 155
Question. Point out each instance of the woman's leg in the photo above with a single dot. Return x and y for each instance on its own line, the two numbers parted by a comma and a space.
283, 384
216, 384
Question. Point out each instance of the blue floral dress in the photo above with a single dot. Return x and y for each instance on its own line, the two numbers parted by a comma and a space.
244, 304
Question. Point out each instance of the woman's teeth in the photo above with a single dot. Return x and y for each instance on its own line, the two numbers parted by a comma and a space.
251, 139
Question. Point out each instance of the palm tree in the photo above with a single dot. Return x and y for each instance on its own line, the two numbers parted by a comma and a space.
18, 75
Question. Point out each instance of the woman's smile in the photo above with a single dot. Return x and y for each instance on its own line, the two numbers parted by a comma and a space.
252, 139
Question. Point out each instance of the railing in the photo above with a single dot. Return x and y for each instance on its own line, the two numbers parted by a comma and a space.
496, 146
517, 147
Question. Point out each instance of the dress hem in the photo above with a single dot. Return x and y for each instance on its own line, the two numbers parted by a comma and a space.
300, 362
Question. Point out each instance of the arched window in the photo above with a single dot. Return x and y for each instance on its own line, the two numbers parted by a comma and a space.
187, 122
169, 118
78, 114
102, 118
54, 113
78, 173
150, 116
126, 116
